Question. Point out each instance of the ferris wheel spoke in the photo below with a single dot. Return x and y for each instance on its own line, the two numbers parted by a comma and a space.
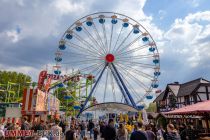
132, 63
135, 57
145, 75
118, 37
110, 42
98, 36
97, 70
129, 86
80, 48
105, 37
123, 41
105, 87
80, 62
137, 81
93, 39
133, 50
85, 43
81, 54
139, 66
113, 88
96, 65
130, 44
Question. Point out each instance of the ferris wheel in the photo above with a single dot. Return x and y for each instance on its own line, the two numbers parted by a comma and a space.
118, 51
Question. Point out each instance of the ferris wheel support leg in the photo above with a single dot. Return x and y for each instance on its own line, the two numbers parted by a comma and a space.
91, 92
119, 85
124, 86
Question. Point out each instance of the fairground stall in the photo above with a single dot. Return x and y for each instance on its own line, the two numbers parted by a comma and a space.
197, 115
39, 105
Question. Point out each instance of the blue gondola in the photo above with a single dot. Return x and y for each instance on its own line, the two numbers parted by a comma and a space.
58, 59
149, 97
140, 107
69, 36
78, 28
57, 71
125, 24
89, 23
157, 73
101, 20
60, 85
155, 85
136, 30
77, 107
114, 21
156, 61
67, 97
151, 49
145, 39
62, 47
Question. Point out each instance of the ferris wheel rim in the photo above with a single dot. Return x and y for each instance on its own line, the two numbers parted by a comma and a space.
117, 18
97, 13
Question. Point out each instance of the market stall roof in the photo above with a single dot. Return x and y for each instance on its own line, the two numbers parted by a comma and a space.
111, 107
195, 109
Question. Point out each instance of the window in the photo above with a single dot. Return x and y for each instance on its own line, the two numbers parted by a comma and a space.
187, 100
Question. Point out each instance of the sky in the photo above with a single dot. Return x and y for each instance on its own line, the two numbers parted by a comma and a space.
31, 29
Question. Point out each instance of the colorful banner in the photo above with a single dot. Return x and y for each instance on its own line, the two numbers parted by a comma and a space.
42, 77
47, 85
53, 104
40, 101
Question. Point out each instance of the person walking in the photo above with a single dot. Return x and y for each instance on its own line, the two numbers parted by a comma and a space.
57, 129
102, 127
172, 133
91, 125
138, 133
82, 128
95, 133
109, 131
122, 133
71, 133
150, 134
190, 133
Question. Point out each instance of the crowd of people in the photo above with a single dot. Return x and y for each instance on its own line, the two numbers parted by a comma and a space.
99, 130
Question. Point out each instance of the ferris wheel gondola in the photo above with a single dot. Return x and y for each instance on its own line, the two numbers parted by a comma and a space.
118, 51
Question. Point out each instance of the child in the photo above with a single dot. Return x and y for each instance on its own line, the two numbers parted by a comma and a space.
85, 138
95, 132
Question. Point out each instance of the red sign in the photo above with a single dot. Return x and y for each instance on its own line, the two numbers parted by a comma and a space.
19, 133
42, 77
158, 91
47, 85
40, 101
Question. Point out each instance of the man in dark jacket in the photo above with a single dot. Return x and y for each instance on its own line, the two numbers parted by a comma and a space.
71, 134
109, 131
91, 125
139, 134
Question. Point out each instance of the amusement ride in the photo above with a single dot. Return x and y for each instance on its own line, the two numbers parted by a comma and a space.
116, 56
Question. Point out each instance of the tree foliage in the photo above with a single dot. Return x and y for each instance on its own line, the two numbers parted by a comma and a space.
152, 107
14, 83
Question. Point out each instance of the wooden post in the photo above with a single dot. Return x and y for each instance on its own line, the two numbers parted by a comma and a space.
207, 123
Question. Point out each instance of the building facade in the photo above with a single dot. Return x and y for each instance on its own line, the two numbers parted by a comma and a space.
178, 95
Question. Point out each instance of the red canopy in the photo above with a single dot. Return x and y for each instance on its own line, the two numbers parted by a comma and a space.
201, 107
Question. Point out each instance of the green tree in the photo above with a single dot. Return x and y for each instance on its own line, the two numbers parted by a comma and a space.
152, 107
13, 83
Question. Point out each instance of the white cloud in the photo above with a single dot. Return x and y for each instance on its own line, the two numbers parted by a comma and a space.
161, 13
22, 69
66, 6
13, 35
190, 37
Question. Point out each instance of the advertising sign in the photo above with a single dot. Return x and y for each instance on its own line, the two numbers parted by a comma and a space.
41, 101
53, 103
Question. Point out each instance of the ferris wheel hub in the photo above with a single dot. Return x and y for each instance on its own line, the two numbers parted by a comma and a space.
109, 58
